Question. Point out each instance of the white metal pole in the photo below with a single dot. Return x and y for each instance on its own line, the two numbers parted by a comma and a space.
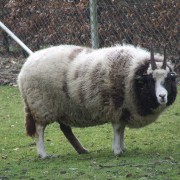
94, 24
16, 38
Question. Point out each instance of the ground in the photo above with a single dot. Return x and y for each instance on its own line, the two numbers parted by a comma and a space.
152, 152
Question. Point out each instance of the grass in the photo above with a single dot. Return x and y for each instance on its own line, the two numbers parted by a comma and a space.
153, 151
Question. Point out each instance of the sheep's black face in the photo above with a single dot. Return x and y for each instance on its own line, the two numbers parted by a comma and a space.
155, 89
145, 92
171, 87
155, 85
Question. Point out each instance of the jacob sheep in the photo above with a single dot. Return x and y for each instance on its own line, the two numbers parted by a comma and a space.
80, 87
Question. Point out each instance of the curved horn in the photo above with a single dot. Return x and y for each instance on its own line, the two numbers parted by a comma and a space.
164, 62
153, 63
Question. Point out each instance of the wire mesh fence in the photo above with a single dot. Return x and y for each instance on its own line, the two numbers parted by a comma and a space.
43, 23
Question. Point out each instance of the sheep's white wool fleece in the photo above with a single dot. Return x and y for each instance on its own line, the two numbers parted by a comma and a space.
73, 85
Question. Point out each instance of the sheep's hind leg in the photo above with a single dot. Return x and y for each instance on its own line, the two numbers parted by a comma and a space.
40, 141
67, 131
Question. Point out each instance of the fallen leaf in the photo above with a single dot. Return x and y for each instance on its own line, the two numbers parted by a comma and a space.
129, 175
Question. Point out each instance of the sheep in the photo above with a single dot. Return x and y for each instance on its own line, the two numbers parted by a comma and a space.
124, 85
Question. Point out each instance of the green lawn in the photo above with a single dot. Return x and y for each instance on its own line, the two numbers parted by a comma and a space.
153, 152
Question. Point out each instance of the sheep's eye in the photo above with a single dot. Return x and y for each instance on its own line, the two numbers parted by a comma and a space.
172, 75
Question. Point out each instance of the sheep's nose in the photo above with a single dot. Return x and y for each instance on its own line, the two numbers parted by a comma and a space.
162, 95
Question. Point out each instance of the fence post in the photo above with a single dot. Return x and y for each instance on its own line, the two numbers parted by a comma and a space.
94, 24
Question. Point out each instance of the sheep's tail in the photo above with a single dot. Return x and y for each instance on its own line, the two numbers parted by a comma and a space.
29, 123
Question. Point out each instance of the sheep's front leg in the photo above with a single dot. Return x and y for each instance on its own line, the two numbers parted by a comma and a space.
118, 143
40, 141
72, 139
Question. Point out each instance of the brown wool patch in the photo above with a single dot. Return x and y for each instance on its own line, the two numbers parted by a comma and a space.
97, 84
81, 93
143, 68
117, 77
126, 115
76, 74
81, 70
105, 96
95, 77
65, 86
75, 53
